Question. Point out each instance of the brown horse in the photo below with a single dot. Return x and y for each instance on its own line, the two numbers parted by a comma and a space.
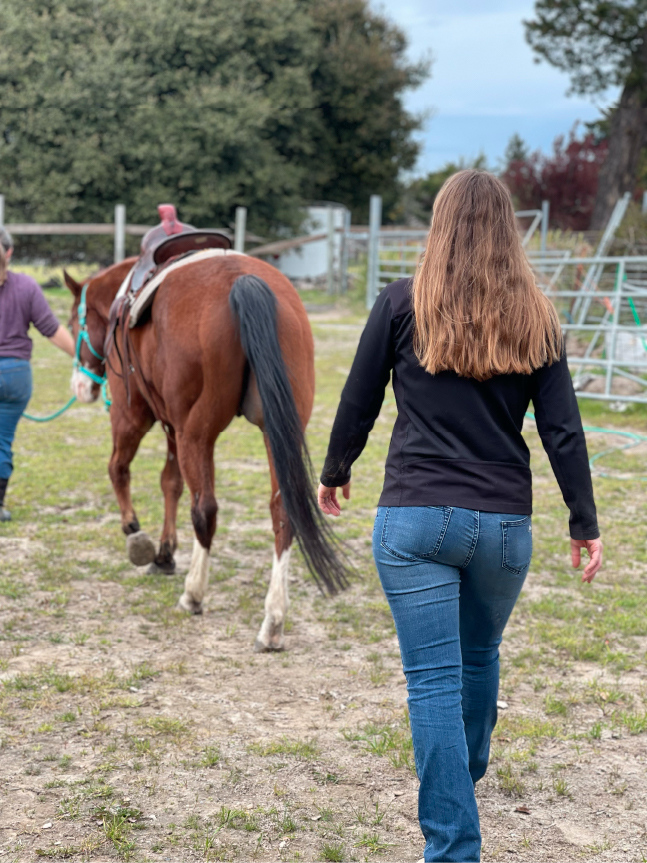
224, 337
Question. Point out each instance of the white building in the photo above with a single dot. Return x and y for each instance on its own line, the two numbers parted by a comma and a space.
310, 261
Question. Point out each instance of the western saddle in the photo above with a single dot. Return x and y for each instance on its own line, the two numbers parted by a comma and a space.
168, 241
163, 245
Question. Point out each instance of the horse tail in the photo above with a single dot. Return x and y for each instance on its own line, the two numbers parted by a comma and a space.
254, 305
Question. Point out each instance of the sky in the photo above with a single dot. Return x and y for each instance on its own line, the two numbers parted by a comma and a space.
484, 83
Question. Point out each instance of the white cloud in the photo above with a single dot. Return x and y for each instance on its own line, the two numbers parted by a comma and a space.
485, 84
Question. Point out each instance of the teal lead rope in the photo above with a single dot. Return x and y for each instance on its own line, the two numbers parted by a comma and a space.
104, 394
50, 416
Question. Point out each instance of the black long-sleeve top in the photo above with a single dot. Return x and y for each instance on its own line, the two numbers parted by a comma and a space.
457, 441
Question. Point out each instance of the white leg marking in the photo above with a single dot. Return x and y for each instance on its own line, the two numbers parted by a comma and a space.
270, 636
84, 388
195, 583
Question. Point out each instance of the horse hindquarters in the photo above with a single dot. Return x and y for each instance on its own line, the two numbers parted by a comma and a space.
294, 506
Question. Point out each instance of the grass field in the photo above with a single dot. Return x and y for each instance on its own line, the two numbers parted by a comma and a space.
130, 731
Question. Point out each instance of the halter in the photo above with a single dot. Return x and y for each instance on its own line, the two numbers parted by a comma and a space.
82, 337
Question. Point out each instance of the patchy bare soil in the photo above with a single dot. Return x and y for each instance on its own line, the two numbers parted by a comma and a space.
130, 731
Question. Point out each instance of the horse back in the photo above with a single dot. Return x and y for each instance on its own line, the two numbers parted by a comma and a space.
191, 347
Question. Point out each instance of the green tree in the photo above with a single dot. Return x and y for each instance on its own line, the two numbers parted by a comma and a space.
359, 78
602, 43
197, 102
204, 103
515, 151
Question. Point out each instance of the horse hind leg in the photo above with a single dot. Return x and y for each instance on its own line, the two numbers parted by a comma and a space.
196, 462
270, 636
172, 487
197, 578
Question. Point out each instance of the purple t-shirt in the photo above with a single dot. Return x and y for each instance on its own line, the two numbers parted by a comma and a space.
22, 303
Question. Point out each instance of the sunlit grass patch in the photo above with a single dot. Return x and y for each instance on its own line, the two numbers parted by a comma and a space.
369, 621
142, 671
561, 787
388, 739
12, 588
58, 852
372, 842
307, 750
530, 727
555, 706
237, 819
635, 723
165, 725
582, 645
333, 852
509, 782
117, 825
210, 756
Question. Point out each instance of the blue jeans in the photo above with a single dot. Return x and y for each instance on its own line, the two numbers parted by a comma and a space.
15, 392
452, 577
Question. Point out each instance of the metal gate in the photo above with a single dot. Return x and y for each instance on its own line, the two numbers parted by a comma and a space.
601, 300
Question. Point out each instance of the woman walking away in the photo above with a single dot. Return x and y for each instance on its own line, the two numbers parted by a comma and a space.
470, 343
21, 303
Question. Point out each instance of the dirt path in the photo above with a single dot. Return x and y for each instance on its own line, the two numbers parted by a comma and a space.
129, 731
168, 739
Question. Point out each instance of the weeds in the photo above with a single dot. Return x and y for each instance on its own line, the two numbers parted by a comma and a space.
210, 756
372, 842
560, 786
306, 750
635, 723
237, 819
165, 726
333, 853
509, 783
392, 740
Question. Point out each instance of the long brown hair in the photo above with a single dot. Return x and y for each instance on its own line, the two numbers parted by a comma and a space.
478, 310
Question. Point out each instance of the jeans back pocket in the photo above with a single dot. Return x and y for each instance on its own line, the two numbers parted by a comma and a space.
517, 544
414, 532
15, 381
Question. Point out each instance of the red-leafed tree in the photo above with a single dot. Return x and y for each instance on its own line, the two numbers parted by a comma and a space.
568, 179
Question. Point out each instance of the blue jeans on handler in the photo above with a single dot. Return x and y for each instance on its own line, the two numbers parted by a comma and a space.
15, 392
452, 577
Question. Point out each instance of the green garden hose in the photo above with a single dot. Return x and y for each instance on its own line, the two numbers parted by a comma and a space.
636, 440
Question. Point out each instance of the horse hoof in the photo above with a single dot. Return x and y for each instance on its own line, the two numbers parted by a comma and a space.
187, 604
161, 568
260, 647
141, 548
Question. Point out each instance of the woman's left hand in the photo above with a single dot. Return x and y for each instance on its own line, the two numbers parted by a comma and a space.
327, 498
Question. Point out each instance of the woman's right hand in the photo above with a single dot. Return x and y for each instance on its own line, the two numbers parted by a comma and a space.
594, 549
327, 498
